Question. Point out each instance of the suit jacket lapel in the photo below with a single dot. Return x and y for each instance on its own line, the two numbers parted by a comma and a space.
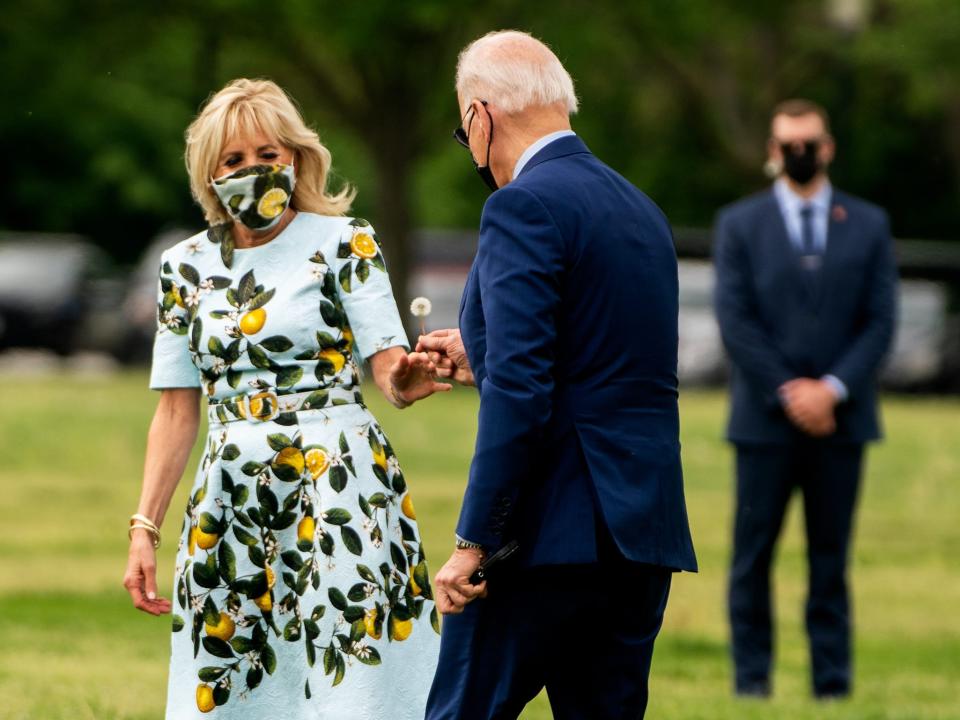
837, 236
785, 249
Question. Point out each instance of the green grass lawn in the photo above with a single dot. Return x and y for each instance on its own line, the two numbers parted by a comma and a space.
72, 646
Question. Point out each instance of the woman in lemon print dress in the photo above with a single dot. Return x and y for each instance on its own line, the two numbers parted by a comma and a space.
301, 588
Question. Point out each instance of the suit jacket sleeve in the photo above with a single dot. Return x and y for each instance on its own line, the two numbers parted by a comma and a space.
520, 260
746, 339
858, 366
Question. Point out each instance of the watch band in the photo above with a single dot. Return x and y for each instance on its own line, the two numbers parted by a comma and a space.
467, 545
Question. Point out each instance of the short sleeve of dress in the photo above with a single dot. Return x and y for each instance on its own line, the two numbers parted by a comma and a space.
365, 291
172, 365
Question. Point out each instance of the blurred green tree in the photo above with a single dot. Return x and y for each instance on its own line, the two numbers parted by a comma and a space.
674, 95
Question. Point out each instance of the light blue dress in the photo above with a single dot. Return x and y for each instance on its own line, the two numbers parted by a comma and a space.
301, 585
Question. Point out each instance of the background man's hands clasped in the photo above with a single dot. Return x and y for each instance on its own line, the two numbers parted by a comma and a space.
809, 404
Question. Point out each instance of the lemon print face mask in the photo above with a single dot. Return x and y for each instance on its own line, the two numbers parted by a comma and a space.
256, 196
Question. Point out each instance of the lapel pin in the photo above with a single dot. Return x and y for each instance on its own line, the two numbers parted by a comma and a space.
839, 213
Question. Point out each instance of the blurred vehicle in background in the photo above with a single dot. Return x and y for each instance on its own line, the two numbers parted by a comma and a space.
918, 357
700, 355
139, 306
58, 292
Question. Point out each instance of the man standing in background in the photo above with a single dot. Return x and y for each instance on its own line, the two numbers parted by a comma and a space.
805, 298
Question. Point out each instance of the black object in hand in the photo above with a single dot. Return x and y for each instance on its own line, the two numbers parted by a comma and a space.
483, 572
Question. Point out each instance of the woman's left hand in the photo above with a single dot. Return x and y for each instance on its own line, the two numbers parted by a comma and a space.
414, 377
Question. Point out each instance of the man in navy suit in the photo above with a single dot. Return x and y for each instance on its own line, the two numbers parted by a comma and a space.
805, 298
569, 332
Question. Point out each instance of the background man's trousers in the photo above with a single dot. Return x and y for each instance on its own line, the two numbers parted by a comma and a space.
828, 476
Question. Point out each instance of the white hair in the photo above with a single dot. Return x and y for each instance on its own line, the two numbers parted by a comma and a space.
513, 71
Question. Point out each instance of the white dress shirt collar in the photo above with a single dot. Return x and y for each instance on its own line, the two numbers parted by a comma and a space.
793, 203
536, 147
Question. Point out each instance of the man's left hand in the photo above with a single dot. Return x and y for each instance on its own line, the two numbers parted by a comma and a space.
452, 586
809, 404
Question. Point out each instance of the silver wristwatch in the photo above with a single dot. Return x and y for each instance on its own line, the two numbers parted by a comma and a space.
467, 545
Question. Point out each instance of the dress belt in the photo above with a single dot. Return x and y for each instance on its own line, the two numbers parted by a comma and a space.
266, 404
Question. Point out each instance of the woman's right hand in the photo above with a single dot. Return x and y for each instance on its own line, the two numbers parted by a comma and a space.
140, 579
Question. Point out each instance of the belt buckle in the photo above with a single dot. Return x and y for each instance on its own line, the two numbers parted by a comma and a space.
268, 398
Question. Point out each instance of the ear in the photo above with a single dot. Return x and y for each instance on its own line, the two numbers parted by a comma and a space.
481, 118
773, 150
828, 150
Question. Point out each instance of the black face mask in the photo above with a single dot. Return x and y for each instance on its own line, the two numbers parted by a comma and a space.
802, 166
463, 137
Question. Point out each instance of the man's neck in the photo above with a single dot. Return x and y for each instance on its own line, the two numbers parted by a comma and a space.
518, 139
810, 189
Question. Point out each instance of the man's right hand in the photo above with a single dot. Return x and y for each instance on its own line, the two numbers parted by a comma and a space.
446, 351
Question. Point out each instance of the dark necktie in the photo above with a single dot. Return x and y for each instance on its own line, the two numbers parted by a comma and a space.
809, 249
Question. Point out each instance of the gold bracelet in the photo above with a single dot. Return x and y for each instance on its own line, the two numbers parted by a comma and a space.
152, 530
137, 517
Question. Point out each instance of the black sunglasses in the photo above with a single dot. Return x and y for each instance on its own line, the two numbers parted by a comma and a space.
463, 136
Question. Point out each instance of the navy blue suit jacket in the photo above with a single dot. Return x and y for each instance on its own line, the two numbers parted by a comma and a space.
778, 324
569, 320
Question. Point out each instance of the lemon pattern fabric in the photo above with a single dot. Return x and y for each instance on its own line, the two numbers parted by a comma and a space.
301, 586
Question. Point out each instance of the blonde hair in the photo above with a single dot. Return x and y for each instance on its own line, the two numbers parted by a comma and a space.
246, 106
514, 71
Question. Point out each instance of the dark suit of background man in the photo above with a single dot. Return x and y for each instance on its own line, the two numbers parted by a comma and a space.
569, 318
805, 297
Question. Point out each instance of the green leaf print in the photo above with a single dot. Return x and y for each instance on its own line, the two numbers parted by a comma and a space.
252, 468
277, 343
243, 645
260, 299
338, 477
238, 497
367, 574
233, 378
345, 273
258, 358
228, 562
257, 556
211, 615
244, 537
230, 452
358, 593
254, 676
279, 441
210, 673
205, 574
359, 222
341, 669
291, 631
177, 623
289, 375
246, 287
221, 694
337, 516
217, 647
210, 524
189, 273
363, 271
337, 599
351, 540
196, 328
369, 657
214, 346
219, 282
269, 659
292, 559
